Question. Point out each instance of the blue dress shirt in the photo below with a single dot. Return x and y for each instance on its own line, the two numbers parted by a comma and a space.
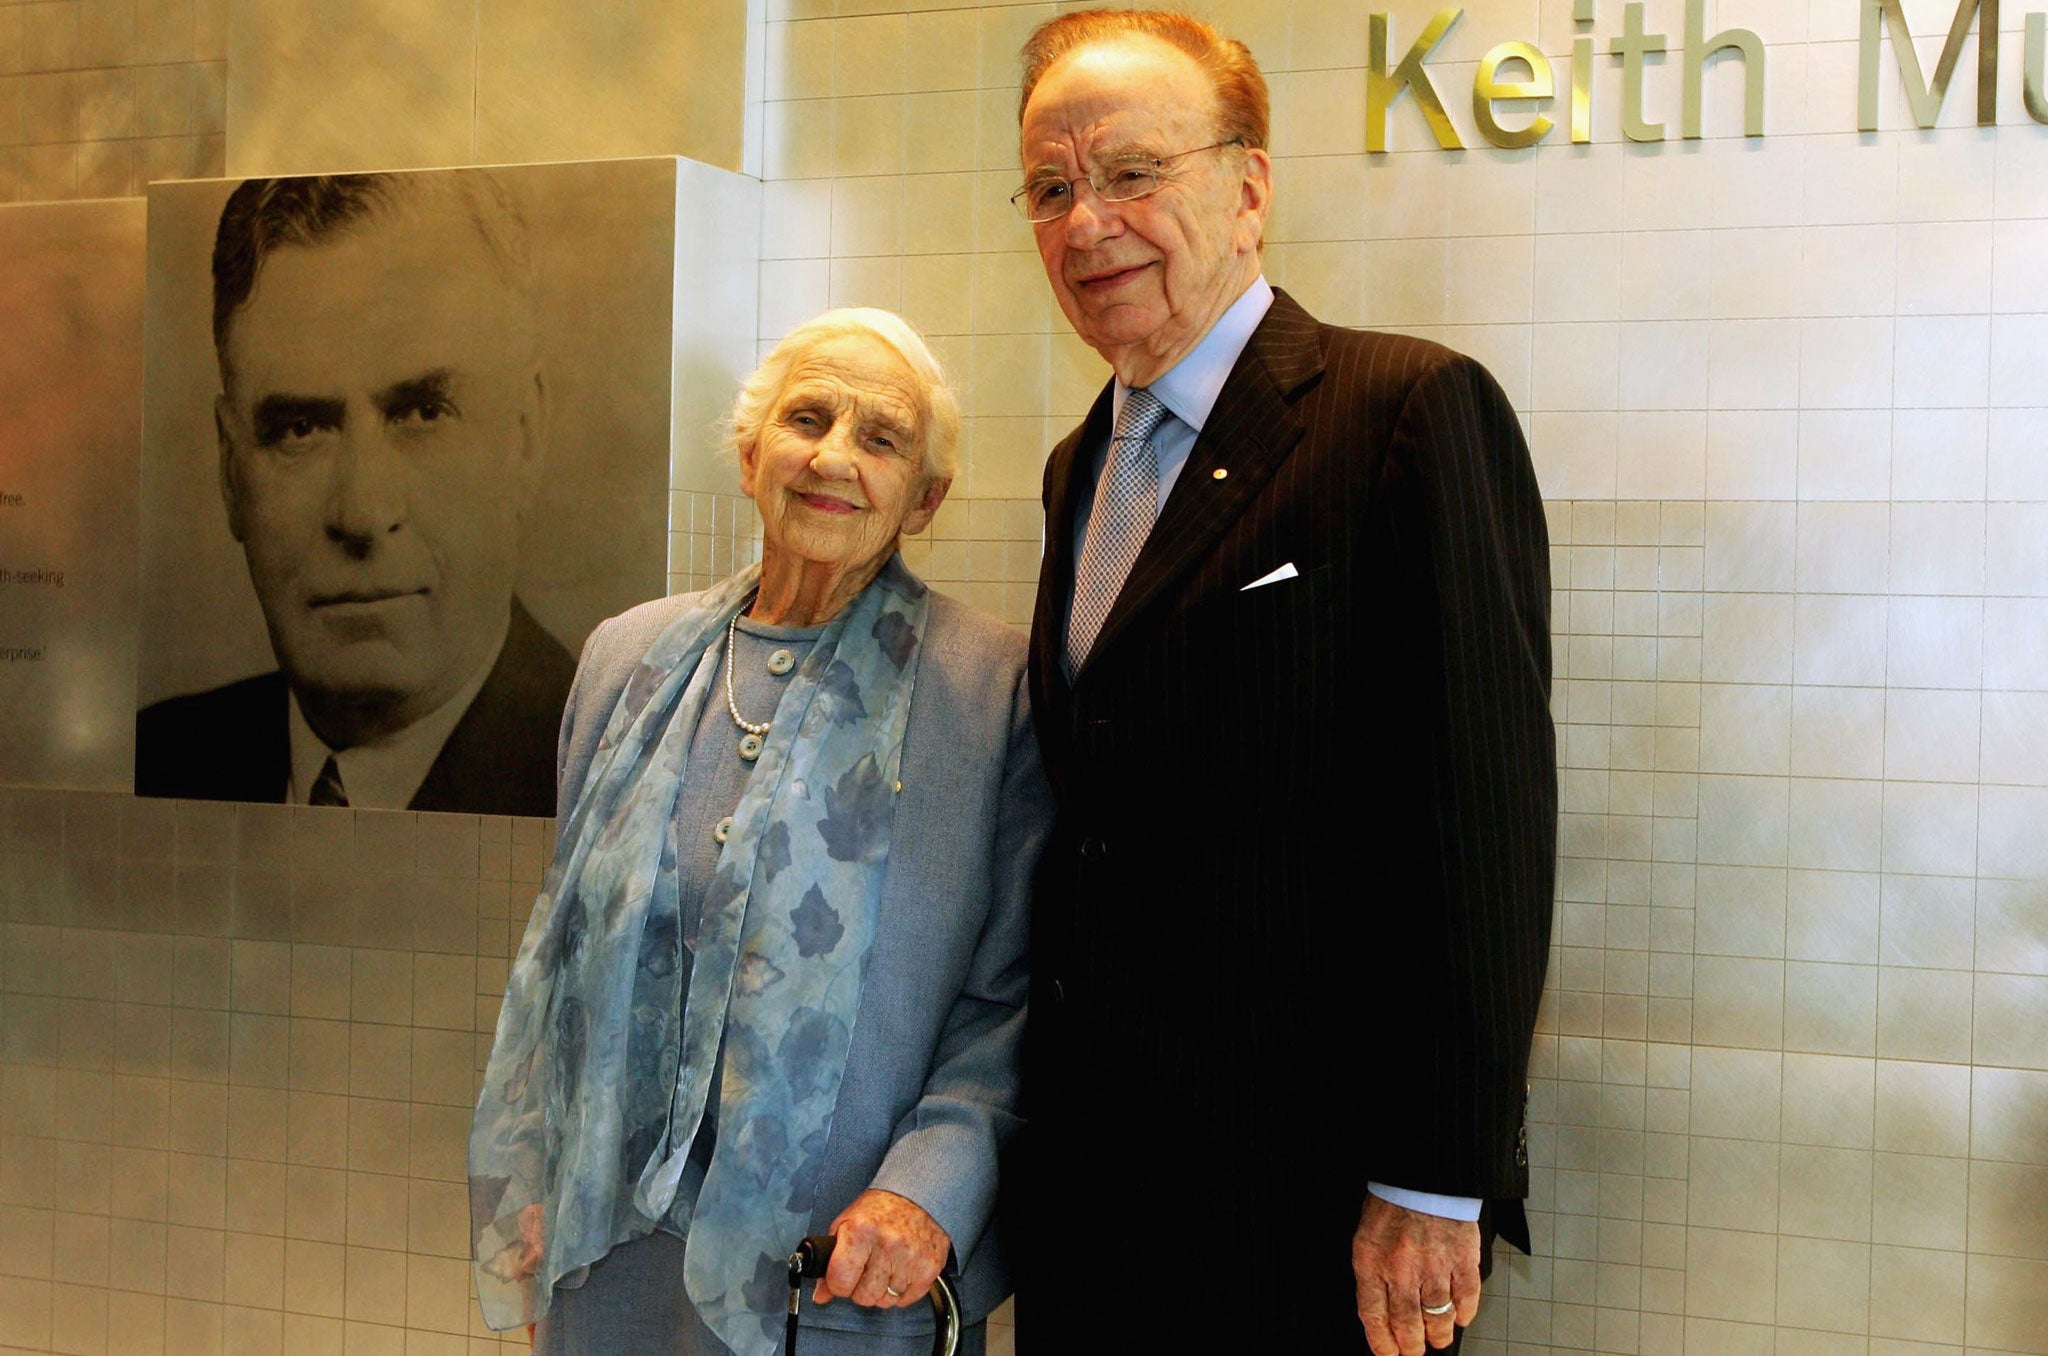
1189, 390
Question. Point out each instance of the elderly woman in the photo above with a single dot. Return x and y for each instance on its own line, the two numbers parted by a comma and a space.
774, 983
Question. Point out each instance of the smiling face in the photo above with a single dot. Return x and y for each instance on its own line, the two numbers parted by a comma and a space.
381, 433
838, 468
1142, 281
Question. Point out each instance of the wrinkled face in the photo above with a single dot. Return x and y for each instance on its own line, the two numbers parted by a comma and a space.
837, 469
1153, 273
381, 433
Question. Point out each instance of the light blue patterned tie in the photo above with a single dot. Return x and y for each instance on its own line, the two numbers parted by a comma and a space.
1126, 502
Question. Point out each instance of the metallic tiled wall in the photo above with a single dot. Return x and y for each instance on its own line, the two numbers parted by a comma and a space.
1785, 397
98, 97
237, 1054
408, 84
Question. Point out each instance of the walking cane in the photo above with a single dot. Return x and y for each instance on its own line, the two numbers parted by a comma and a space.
809, 1261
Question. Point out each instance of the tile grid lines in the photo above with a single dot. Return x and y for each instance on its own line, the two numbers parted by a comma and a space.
1619, 1216
1571, 676
1978, 827
1984, 585
211, 986
1608, 808
476, 67
109, 159
711, 534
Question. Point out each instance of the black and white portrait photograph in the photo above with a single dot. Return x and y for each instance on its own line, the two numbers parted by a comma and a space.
406, 440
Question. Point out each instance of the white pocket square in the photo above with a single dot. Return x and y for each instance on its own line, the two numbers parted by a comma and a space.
1286, 571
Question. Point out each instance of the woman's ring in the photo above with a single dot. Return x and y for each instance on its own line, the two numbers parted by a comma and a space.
1439, 1310
892, 1292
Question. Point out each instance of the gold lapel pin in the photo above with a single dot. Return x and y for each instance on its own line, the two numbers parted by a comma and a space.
1220, 474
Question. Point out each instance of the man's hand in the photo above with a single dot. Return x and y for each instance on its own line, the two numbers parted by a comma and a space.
889, 1252
1405, 1260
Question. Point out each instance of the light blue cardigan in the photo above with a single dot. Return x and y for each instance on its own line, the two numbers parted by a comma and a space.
930, 1091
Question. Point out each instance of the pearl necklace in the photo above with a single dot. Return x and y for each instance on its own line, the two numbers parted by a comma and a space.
758, 729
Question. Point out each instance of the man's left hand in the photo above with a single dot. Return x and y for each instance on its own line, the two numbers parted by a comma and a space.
889, 1252
1404, 1260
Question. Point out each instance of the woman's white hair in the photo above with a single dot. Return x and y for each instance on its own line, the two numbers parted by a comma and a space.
938, 412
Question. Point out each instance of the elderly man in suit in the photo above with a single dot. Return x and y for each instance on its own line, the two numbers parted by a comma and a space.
1290, 667
382, 423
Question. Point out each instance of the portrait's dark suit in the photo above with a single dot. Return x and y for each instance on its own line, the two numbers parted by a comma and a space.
232, 743
1291, 927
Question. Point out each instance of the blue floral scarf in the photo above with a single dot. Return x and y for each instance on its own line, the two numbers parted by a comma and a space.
594, 1091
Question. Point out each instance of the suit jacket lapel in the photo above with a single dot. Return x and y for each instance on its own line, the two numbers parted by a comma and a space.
500, 757
1248, 434
1066, 474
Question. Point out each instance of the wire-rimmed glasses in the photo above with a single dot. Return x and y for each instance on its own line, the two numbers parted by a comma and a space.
1121, 180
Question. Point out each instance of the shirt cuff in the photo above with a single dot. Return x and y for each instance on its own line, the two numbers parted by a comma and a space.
1427, 1202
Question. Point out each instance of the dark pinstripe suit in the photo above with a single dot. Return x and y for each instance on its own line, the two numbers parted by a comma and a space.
1291, 926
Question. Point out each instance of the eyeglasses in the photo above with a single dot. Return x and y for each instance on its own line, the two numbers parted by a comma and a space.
1119, 181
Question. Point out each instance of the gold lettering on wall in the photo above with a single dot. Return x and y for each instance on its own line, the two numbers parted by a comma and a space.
1637, 50
1582, 76
1487, 87
2037, 102
1882, 16
1382, 88
1699, 49
1635, 47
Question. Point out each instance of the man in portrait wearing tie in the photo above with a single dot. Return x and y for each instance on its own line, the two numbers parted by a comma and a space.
1290, 668
382, 428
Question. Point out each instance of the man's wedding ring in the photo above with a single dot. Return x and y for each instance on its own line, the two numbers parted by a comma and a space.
892, 1292
1439, 1310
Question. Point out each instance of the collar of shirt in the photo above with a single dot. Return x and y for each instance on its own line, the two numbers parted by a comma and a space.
1189, 391
385, 773
1190, 387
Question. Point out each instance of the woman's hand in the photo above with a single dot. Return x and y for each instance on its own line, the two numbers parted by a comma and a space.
889, 1252
519, 1260
532, 1239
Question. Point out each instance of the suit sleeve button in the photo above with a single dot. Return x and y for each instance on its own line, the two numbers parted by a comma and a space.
1093, 849
1059, 992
